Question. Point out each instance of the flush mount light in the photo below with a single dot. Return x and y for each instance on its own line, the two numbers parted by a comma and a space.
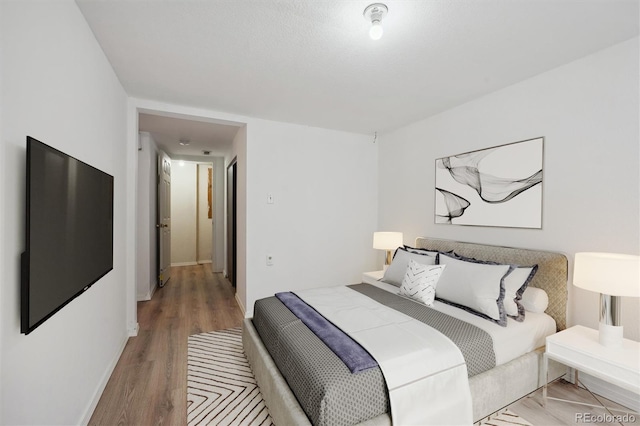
184, 142
374, 14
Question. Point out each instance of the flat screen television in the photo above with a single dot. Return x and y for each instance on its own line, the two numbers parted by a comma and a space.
69, 231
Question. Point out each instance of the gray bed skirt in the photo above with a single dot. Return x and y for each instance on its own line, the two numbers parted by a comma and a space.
490, 391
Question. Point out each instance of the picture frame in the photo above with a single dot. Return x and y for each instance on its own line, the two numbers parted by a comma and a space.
498, 186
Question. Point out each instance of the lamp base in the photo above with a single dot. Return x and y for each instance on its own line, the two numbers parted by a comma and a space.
610, 335
387, 260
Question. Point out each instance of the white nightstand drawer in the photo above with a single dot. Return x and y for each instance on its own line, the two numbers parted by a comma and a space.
578, 347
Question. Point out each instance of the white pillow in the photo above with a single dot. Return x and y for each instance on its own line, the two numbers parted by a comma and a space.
420, 281
475, 286
514, 286
535, 300
395, 272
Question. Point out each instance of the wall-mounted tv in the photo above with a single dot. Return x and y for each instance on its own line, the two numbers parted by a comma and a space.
69, 231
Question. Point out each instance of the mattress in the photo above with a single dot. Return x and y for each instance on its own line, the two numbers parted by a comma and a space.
326, 390
510, 342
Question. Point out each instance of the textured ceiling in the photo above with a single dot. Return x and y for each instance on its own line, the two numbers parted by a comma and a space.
312, 62
202, 136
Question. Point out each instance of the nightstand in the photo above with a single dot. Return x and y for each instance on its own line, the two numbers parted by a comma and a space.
578, 347
372, 277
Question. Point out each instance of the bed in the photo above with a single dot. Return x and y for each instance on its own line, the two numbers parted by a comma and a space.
516, 375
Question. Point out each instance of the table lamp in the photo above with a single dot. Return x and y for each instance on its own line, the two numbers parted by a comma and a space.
388, 241
613, 276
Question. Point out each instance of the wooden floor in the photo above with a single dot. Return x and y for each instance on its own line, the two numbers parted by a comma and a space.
149, 383
565, 413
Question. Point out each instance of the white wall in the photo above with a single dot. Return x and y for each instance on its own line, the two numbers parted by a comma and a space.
324, 183
57, 86
588, 113
320, 227
191, 229
146, 209
184, 176
3, 221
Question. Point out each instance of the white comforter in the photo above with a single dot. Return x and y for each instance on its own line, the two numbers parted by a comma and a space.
509, 342
425, 372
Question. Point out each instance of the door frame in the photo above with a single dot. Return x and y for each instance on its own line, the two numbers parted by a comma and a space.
232, 221
136, 106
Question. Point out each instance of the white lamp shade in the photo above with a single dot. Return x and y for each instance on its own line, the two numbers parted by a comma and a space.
387, 240
608, 273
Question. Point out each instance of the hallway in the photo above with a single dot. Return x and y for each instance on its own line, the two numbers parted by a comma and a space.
148, 385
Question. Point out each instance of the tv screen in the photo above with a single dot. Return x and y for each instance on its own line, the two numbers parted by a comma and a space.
69, 231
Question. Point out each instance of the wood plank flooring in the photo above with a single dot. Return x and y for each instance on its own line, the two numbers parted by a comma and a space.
149, 383
565, 413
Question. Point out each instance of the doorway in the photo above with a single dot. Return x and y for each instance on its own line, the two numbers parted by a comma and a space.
192, 213
209, 140
232, 227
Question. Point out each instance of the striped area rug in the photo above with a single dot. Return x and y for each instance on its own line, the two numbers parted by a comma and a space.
221, 389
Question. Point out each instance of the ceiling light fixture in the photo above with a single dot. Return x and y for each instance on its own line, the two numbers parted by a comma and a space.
184, 142
374, 13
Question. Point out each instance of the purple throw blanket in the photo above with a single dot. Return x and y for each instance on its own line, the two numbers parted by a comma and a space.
355, 357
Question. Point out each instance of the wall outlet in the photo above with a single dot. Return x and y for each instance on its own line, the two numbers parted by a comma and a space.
269, 260
269, 198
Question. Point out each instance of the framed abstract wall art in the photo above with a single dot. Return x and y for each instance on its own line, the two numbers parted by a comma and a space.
497, 186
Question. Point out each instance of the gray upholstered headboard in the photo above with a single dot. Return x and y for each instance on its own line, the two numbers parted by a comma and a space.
552, 272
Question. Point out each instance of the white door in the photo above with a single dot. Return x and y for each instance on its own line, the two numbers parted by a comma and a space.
164, 218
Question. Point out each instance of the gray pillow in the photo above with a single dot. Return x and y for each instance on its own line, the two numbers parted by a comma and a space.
395, 272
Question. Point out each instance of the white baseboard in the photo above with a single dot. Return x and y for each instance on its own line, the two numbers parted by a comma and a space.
202, 262
609, 391
154, 287
133, 332
242, 309
184, 264
86, 417
149, 295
